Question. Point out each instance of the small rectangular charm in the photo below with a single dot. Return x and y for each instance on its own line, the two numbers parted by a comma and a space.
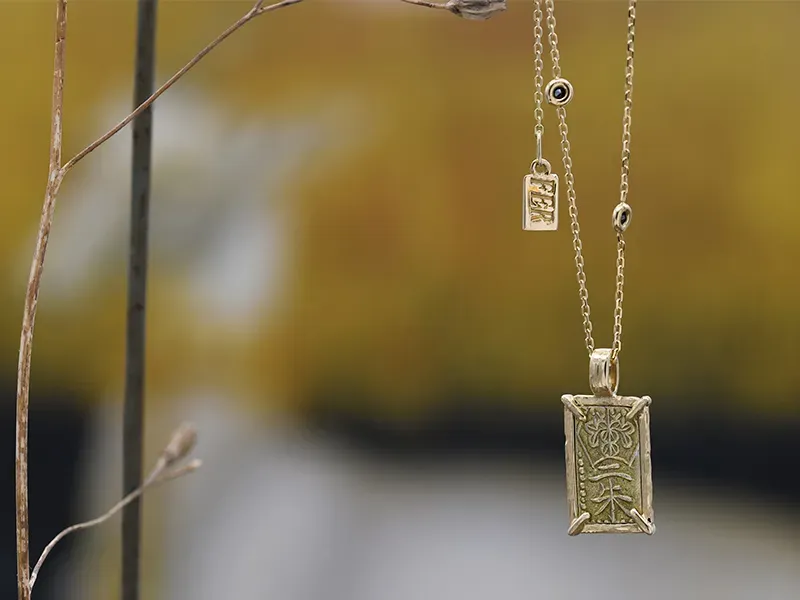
609, 473
540, 202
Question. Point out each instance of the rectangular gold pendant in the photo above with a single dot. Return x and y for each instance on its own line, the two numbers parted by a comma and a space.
609, 474
540, 202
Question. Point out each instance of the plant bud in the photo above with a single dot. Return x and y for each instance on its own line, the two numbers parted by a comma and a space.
476, 10
183, 441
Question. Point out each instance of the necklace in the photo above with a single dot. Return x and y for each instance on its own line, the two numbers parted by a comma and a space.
609, 481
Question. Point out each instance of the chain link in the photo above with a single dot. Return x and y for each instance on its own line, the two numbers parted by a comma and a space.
569, 178
626, 115
538, 51
618, 297
577, 244
625, 171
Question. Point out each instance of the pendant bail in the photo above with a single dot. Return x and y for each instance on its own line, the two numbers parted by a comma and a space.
539, 133
603, 373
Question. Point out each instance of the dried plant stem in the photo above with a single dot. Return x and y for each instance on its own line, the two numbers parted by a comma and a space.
31, 298
473, 10
56, 174
254, 12
185, 470
182, 442
442, 5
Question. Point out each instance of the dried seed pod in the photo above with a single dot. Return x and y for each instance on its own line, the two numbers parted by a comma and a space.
183, 441
476, 10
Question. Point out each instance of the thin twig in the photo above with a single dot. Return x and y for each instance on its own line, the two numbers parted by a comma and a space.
31, 299
473, 10
427, 4
56, 174
480, 9
181, 444
254, 12
185, 470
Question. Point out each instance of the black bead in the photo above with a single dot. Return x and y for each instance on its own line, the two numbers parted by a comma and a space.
558, 92
623, 218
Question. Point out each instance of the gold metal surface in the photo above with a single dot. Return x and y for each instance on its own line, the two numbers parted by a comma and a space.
577, 524
558, 84
540, 202
603, 373
609, 470
621, 217
540, 188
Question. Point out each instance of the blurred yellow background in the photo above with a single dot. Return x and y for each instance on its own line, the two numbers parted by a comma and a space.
408, 277
336, 229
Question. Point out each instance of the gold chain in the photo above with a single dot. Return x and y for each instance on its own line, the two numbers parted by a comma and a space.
570, 181
538, 51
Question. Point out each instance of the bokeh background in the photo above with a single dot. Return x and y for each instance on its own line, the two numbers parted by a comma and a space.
344, 303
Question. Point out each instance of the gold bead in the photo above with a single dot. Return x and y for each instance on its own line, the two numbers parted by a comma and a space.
621, 218
558, 92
